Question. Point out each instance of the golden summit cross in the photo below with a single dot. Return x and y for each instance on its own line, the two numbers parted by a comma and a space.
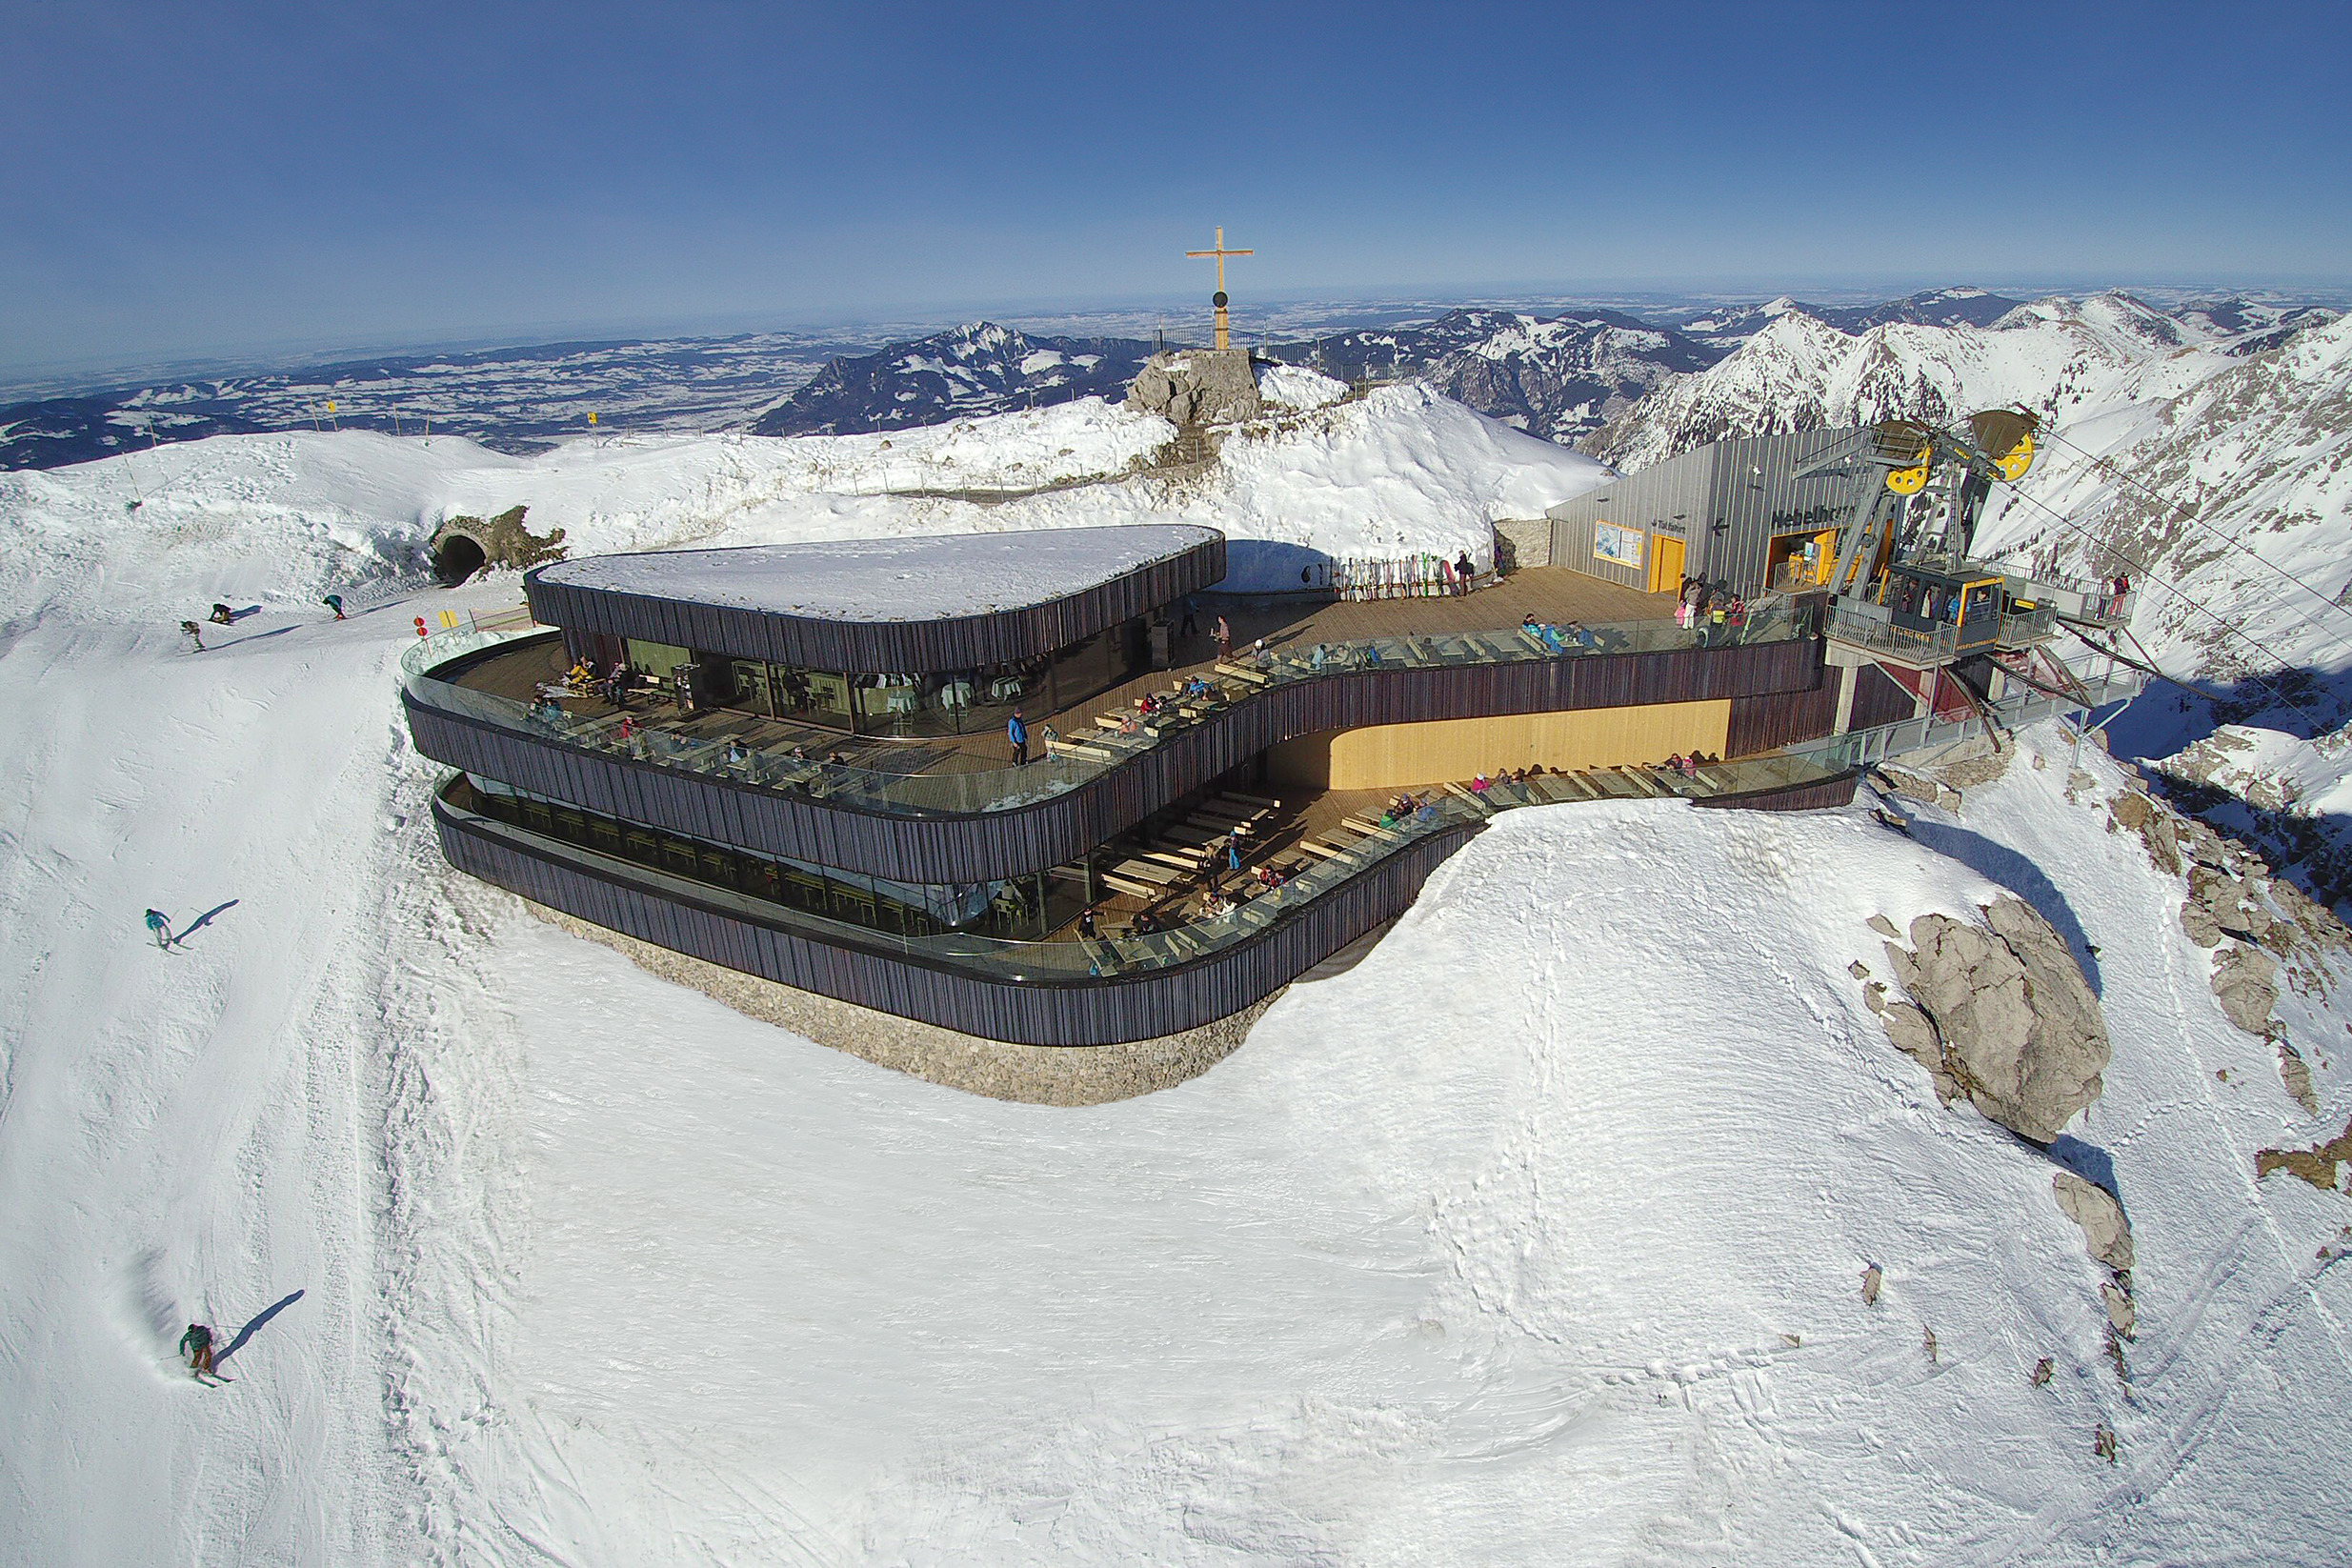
1220, 254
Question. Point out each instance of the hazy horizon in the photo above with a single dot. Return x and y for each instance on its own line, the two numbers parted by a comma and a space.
259, 180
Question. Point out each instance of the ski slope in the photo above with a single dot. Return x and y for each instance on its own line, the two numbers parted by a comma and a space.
1536, 1236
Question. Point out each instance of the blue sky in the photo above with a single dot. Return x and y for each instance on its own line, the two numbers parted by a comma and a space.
230, 178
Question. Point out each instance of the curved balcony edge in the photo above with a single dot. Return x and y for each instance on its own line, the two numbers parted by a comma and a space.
1773, 676
1061, 1012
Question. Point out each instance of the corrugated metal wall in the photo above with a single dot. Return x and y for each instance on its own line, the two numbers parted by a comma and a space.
866, 647
1744, 485
1055, 831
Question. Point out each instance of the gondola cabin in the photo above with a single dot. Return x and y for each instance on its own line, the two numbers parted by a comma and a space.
1924, 600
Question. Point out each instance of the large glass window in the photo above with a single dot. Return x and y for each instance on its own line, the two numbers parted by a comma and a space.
1022, 909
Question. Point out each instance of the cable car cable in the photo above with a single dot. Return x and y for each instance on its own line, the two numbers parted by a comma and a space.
2188, 514
2318, 729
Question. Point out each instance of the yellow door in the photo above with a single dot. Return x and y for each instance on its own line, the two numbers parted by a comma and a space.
1665, 564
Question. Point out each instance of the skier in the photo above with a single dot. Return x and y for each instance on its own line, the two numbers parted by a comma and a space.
1017, 732
196, 633
334, 602
196, 1344
159, 927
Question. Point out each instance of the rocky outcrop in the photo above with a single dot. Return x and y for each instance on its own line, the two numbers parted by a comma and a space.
2245, 980
2108, 1236
1197, 386
2105, 1233
463, 547
2295, 1073
1999, 1013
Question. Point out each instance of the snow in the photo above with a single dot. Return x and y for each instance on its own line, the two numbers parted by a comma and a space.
1296, 387
890, 579
283, 517
1534, 1236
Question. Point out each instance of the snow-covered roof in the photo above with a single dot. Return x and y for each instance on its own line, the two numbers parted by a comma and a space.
930, 577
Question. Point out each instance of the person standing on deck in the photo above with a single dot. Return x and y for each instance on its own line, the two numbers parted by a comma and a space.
1017, 732
1223, 635
1463, 572
1190, 627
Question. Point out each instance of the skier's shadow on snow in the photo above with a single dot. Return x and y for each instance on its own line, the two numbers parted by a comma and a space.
2020, 877
205, 919
251, 1329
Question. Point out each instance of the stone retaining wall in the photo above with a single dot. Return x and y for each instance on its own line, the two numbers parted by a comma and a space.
1030, 1074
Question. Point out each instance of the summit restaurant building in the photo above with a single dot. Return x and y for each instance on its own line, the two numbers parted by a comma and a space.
808, 775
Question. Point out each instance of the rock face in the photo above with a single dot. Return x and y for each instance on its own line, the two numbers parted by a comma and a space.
2000, 1012
2105, 1232
462, 547
1197, 386
2245, 980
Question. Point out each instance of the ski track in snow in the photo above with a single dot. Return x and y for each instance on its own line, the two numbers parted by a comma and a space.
1536, 1235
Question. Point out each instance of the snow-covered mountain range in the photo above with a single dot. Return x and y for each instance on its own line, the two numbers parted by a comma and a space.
977, 369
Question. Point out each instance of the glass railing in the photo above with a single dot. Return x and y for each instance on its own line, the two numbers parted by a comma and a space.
1074, 759
1008, 959
1111, 955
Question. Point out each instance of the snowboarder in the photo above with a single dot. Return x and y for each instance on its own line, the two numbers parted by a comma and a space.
194, 633
1017, 732
334, 602
223, 615
196, 1344
159, 927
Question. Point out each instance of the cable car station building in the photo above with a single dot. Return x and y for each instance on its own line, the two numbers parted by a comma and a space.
809, 776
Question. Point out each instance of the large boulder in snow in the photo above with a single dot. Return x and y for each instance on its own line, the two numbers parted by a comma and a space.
2016, 1026
2245, 982
1197, 386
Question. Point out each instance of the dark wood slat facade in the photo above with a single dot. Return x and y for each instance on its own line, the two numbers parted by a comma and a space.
1100, 1011
914, 646
1878, 698
1776, 690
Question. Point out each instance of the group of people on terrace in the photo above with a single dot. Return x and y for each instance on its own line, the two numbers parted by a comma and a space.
1715, 617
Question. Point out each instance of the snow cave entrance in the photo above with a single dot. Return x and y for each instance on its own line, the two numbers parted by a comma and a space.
457, 557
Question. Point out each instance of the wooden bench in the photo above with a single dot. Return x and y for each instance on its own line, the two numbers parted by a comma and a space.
1460, 793
1242, 673
1238, 798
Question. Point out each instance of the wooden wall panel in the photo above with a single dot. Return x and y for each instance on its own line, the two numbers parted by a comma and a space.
1403, 755
1878, 698
1775, 719
1774, 689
